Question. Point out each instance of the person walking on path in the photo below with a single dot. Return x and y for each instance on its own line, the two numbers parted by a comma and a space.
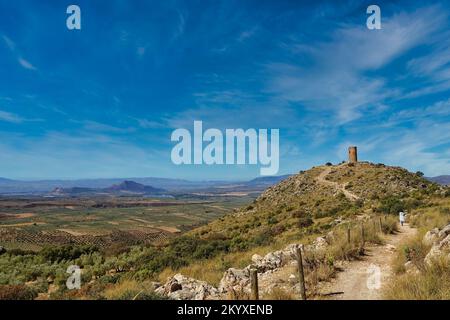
402, 217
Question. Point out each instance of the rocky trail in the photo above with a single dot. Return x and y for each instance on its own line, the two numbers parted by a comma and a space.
365, 279
362, 279
321, 178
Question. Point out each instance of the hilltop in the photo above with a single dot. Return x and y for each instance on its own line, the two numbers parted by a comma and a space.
134, 187
324, 193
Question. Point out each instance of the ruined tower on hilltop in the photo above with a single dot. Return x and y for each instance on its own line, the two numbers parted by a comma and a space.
352, 154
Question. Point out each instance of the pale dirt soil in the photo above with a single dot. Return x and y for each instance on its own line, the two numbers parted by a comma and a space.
352, 282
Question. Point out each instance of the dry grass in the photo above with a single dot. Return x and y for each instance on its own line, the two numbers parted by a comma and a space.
432, 217
431, 284
130, 290
238, 295
280, 294
319, 265
412, 250
211, 270
345, 248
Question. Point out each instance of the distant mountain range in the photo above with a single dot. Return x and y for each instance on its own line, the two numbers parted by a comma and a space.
443, 180
149, 185
125, 187
136, 185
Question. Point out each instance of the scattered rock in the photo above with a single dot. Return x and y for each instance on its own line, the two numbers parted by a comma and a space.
337, 221
444, 232
274, 260
440, 248
432, 255
411, 268
175, 286
292, 279
444, 245
431, 237
391, 248
330, 237
154, 285
320, 243
180, 287
234, 280
256, 258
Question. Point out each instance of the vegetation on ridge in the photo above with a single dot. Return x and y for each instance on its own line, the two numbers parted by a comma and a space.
297, 209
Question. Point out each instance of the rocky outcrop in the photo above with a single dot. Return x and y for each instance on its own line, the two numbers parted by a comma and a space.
440, 241
320, 243
431, 237
180, 287
444, 232
235, 280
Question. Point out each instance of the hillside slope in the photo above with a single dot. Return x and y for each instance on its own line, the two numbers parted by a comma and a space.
320, 194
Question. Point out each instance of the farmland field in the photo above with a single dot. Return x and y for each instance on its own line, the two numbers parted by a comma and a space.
27, 223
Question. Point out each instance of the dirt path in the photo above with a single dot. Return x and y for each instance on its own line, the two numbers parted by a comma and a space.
322, 180
358, 280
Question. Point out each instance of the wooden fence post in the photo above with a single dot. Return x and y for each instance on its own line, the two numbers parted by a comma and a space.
348, 234
301, 275
363, 240
254, 283
381, 226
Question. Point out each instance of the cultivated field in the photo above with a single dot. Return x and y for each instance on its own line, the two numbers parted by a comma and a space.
27, 223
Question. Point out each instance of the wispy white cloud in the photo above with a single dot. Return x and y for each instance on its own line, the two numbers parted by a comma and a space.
337, 78
151, 124
90, 125
13, 48
434, 68
179, 27
437, 110
15, 118
415, 138
78, 155
244, 35
26, 64
240, 39
9, 43
10, 117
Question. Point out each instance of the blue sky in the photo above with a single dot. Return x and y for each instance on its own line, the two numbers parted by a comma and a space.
103, 101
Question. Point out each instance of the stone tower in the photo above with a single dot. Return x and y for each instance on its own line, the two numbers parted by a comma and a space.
352, 154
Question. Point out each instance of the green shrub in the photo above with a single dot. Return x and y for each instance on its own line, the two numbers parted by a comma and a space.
391, 205
305, 221
17, 292
65, 253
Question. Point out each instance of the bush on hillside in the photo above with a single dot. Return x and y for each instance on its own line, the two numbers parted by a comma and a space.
65, 253
305, 221
391, 205
17, 292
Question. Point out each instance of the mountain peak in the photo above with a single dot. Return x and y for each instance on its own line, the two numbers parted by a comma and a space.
132, 186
